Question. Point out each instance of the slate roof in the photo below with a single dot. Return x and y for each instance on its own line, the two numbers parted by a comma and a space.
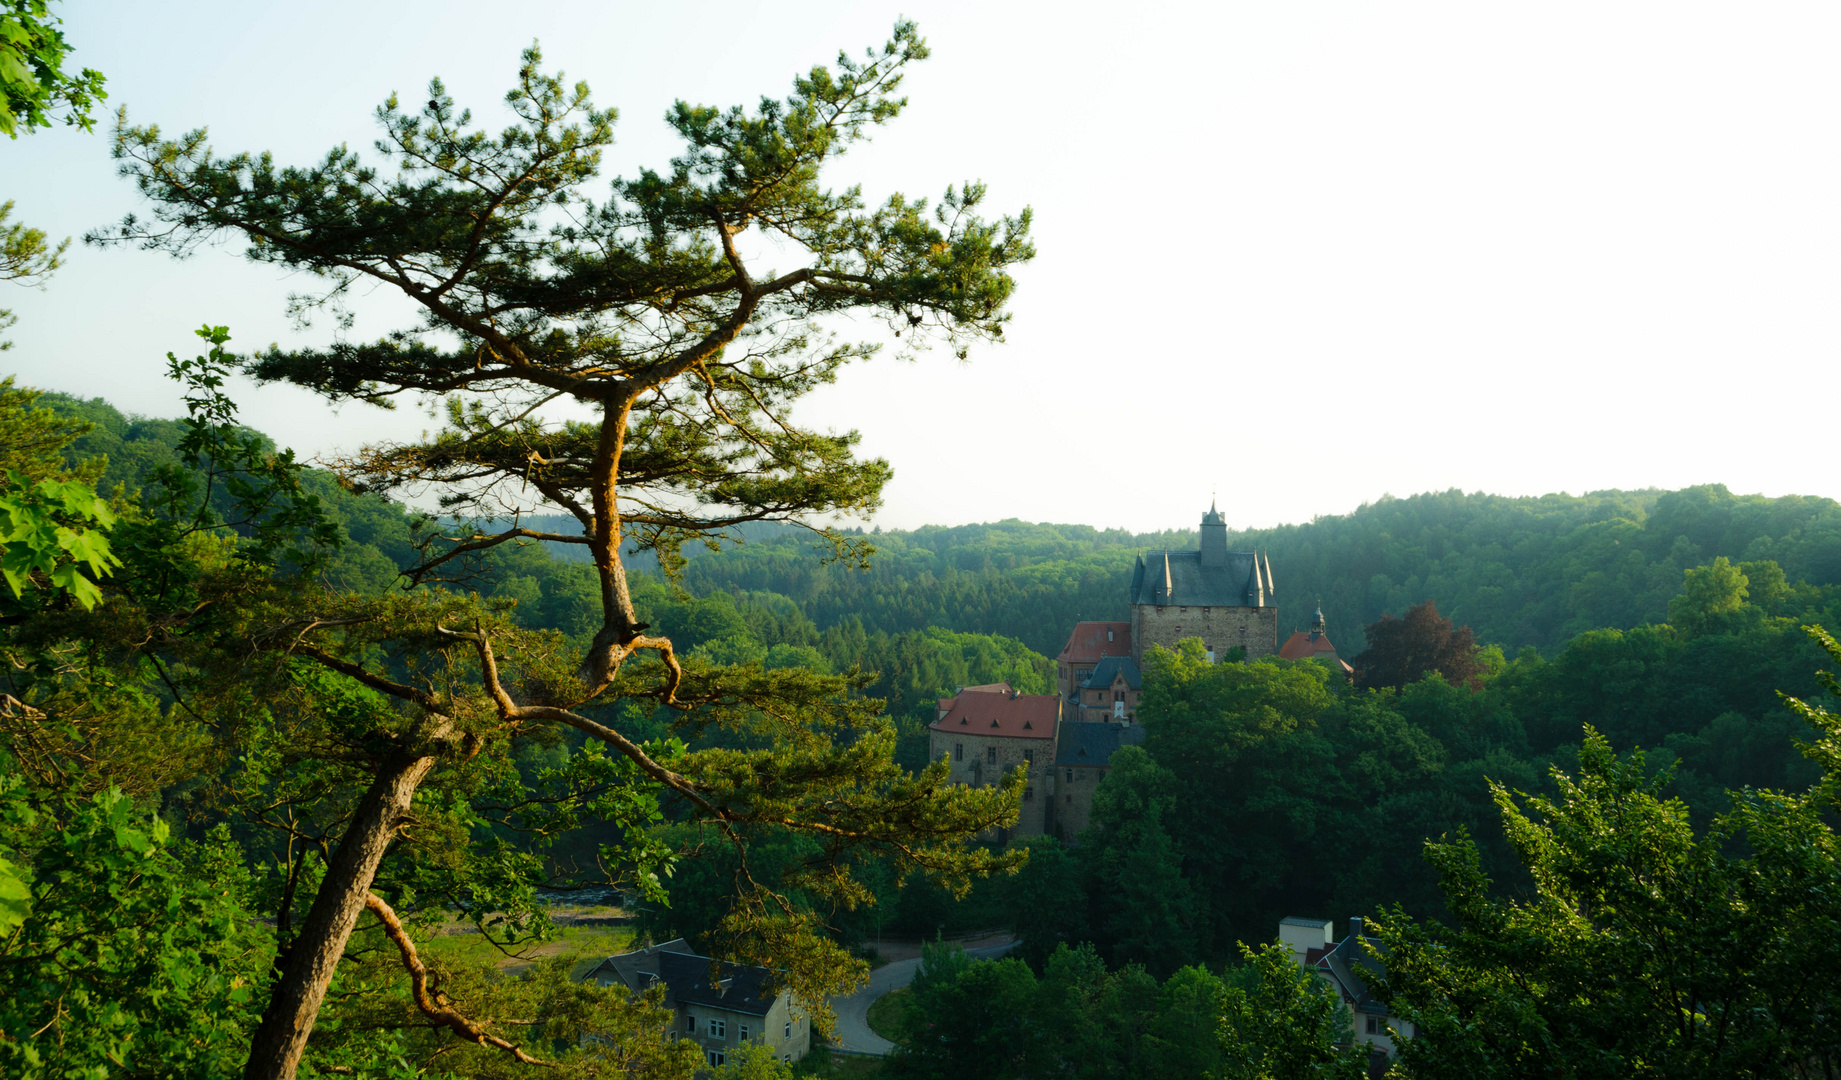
743, 989
686, 975
638, 969
1111, 668
1089, 745
1178, 578
1350, 966
1018, 716
1088, 642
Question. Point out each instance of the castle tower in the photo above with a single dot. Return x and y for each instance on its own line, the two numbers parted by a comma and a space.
1224, 598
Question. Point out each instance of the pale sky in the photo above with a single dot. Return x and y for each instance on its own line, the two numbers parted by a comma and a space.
1304, 254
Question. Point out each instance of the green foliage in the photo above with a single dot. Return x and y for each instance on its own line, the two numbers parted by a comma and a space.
1289, 1026
136, 954
1711, 596
50, 532
1145, 910
32, 76
1643, 948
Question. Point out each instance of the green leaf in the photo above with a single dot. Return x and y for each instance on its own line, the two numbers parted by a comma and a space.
15, 897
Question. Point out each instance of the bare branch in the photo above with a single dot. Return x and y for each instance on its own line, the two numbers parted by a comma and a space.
435, 1005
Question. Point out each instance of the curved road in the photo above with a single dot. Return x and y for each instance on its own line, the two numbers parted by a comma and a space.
853, 1030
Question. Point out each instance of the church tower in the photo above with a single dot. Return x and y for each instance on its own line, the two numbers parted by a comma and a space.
1225, 598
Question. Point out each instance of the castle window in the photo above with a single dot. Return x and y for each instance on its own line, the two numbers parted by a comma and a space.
1204, 611
1029, 756
990, 754
1070, 776
958, 751
1182, 611
1070, 800
1029, 794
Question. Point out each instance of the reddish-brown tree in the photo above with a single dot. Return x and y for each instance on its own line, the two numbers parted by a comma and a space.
1407, 649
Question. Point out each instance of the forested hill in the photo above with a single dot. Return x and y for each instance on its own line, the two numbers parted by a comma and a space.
1520, 571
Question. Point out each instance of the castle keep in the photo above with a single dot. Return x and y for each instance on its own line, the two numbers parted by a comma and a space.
1223, 597
1065, 741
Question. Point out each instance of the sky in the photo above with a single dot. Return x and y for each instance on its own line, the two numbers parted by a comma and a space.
1291, 256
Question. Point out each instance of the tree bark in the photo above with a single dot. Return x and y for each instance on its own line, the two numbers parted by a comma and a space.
274, 1051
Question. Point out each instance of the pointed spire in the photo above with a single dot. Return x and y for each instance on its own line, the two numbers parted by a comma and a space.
1167, 587
1271, 589
1255, 595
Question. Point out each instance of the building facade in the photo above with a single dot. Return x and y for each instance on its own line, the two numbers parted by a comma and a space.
985, 732
1090, 643
1346, 967
1222, 597
1109, 693
1083, 756
738, 1008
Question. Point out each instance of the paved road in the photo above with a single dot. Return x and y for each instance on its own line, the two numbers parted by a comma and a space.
853, 1030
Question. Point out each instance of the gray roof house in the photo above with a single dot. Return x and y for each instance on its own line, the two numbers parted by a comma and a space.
719, 1006
1347, 966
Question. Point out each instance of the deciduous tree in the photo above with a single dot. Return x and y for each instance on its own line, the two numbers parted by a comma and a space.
1409, 648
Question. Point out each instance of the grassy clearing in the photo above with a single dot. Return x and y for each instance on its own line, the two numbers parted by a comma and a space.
587, 943
888, 1014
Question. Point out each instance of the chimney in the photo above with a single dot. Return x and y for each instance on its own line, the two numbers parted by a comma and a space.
1355, 927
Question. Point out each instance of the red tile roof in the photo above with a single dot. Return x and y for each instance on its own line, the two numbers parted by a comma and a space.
1300, 646
984, 688
1087, 644
1018, 716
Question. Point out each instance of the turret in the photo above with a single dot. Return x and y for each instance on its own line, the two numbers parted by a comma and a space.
1214, 538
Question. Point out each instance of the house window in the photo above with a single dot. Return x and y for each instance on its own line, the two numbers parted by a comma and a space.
719, 1028
716, 1057
789, 1031
1374, 1025
990, 754
958, 751
690, 1023
744, 1033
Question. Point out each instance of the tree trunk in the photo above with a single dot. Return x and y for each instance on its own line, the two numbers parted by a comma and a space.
274, 1051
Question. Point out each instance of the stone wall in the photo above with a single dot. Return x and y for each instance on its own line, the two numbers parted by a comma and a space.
984, 760
1073, 795
1220, 628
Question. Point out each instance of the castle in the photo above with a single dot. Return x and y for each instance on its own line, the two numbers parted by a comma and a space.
1065, 740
